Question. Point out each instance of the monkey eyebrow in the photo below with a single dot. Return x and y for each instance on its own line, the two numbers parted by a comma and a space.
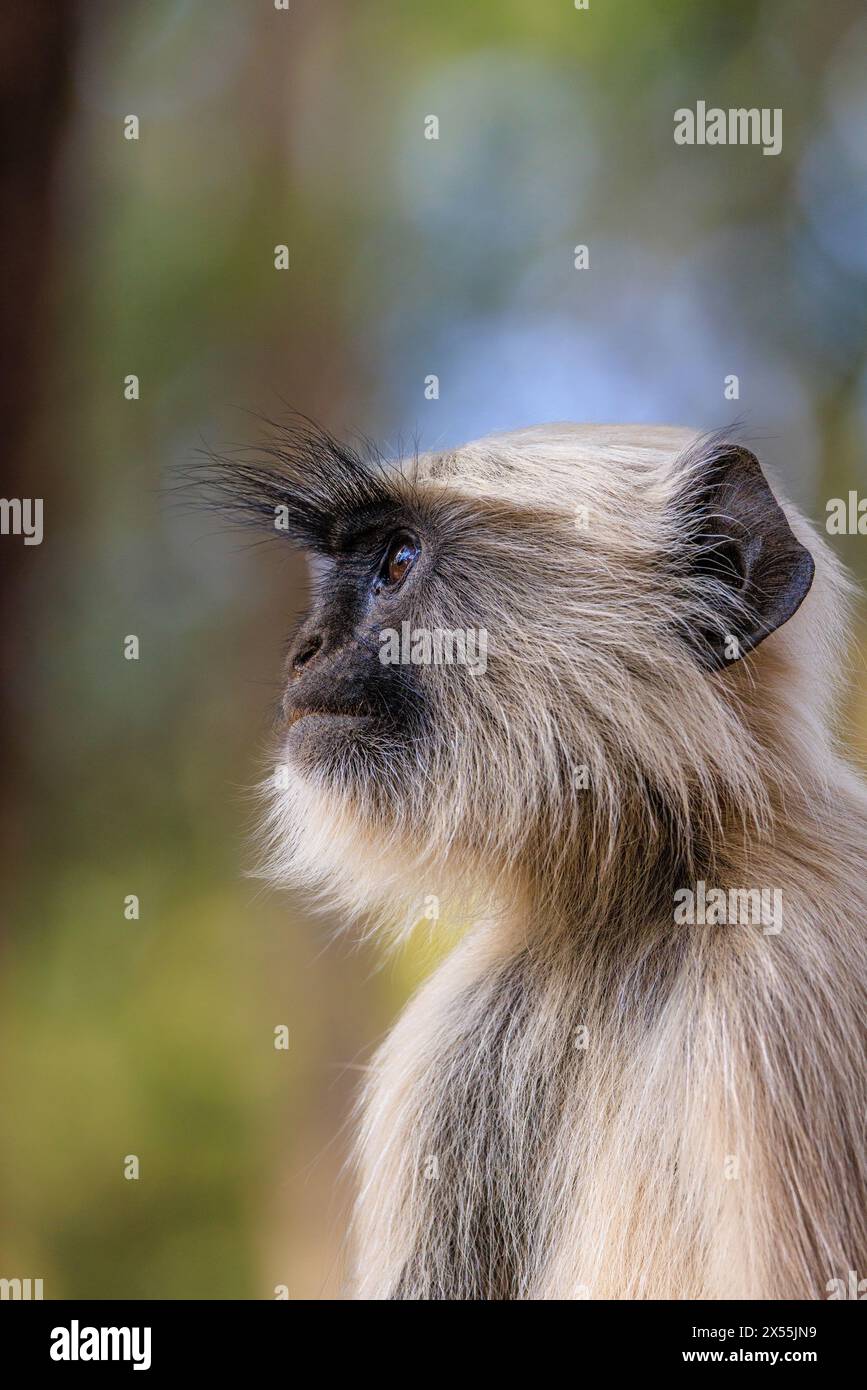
368, 529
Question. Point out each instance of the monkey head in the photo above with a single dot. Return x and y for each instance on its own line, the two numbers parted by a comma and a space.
522, 651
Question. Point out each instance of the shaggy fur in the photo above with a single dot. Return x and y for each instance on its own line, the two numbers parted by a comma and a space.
587, 1100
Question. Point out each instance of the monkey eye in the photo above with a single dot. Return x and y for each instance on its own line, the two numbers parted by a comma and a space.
402, 553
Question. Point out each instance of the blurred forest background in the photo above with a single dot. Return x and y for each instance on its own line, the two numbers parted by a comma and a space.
408, 257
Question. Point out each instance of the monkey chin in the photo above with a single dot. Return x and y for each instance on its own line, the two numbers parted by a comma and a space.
336, 825
314, 739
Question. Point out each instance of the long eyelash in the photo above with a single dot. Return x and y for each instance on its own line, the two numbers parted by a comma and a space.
322, 491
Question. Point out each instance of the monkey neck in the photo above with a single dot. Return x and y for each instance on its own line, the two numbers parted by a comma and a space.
588, 887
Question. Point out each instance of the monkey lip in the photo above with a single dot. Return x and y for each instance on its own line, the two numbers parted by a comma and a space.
342, 716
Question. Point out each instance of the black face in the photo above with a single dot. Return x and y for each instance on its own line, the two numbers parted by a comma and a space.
338, 691
380, 545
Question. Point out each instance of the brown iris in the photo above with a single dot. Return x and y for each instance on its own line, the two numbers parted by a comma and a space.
400, 557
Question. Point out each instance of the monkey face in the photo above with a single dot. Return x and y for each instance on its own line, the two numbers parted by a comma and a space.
388, 688
346, 712
601, 583
397, 719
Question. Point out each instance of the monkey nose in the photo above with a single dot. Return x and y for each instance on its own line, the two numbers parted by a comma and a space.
305, 652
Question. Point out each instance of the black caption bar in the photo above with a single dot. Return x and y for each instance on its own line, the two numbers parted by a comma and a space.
149, 1339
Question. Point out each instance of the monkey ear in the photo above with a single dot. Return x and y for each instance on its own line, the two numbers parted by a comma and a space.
743, 560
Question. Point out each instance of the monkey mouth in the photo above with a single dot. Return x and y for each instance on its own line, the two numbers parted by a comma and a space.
347, 717
295, 715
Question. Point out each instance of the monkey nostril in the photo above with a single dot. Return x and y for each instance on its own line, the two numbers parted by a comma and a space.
306, 653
